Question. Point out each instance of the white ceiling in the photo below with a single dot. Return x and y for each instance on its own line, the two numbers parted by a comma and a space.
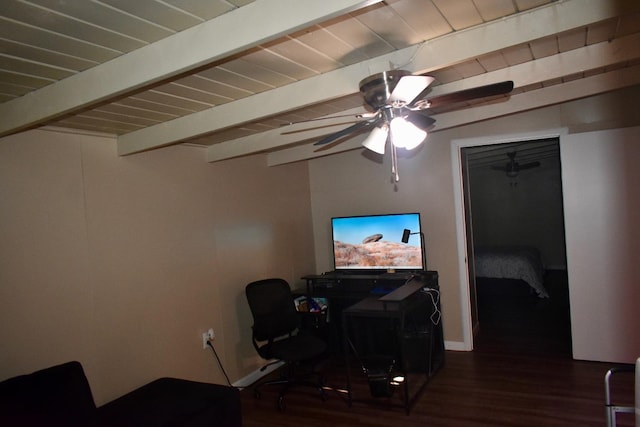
228, 74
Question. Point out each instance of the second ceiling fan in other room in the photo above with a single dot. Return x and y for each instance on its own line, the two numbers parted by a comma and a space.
513, 168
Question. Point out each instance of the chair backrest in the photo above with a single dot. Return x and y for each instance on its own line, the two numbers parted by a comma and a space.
274, 312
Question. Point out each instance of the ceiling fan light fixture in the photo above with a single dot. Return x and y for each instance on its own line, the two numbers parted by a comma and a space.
405, 134
377, 139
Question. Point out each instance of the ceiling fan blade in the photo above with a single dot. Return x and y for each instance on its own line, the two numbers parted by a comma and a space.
350, 129
408, 88
421, 120
530, 165
470, 94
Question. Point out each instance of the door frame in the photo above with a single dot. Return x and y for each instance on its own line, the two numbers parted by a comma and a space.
462, 223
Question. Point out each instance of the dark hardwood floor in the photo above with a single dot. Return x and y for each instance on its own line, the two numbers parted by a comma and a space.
521, 373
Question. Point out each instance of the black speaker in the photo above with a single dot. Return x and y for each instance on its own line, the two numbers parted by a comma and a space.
379, 375
416, 350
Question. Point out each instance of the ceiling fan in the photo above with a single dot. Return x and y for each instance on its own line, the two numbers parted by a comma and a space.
513, 168
399, 110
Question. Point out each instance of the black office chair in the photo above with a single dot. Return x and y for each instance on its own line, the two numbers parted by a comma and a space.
276, 335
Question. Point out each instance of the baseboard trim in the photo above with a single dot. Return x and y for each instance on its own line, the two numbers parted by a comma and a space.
455, 346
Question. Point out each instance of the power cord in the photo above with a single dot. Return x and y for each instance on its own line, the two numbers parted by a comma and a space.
435, 299
210, 344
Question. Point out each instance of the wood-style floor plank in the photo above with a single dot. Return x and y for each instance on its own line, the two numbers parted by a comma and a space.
520, 374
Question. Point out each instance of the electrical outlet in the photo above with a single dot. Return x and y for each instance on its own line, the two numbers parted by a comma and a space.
207, 336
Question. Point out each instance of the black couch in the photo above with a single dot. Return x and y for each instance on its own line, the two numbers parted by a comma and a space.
61, 396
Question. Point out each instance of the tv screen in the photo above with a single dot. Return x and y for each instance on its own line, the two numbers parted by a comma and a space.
377, 242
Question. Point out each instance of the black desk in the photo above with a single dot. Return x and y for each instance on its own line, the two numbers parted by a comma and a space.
393, 336
379, 318
342, 290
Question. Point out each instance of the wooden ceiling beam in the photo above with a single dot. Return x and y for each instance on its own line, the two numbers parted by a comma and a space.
526, 74
261, 21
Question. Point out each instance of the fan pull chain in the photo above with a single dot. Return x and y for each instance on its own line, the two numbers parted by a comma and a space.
394, 163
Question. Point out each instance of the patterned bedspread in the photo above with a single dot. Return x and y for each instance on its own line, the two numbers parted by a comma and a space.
521, 262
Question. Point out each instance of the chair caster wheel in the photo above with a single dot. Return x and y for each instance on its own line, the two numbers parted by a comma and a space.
281, 404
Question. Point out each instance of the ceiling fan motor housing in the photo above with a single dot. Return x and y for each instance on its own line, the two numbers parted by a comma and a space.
377, 88
512, 169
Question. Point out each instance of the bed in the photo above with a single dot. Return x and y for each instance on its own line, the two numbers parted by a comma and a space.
512, 262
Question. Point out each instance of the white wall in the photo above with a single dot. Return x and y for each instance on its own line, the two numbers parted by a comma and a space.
601, 178
122, 262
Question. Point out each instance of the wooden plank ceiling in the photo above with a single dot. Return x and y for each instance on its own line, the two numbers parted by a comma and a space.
228, 74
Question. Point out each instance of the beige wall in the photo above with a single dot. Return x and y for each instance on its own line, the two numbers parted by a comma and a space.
122, 262
353, 184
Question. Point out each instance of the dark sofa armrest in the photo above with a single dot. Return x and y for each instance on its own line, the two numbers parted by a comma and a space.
55, 396
174, 402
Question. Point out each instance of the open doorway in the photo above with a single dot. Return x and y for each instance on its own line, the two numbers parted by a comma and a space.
516, 249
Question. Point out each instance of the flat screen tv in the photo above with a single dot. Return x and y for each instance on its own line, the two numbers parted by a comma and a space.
381, 243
